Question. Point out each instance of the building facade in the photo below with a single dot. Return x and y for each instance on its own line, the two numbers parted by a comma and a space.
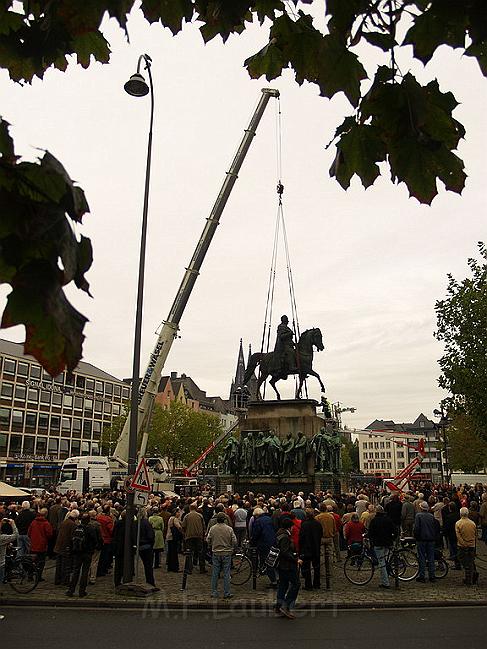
386, 456
44, 420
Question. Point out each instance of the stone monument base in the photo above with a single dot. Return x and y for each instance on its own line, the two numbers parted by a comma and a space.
263, 484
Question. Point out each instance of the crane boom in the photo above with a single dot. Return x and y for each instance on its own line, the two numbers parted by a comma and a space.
150, 383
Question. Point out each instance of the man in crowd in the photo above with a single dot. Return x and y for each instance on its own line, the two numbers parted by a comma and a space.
327, 521
222, 542
426, 532
194, 535
309, 549
39, 532
466, 532
83, 544
23, 521
382, 532
62, 548
263, 537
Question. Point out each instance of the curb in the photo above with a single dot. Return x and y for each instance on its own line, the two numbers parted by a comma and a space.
236, 605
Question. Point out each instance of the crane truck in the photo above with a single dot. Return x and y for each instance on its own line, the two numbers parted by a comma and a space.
98, 472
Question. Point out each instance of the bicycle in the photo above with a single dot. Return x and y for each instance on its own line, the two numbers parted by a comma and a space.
241, 570
21, 573
359, 567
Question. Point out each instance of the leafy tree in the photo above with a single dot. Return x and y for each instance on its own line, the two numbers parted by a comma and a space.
180, 433
350, 457
468, 452
462, 327
396, 121
111, 433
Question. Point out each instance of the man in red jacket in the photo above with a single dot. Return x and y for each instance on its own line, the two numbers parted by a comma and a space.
106, 529
39, 532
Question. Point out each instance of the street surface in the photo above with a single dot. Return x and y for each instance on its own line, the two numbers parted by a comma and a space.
402, 629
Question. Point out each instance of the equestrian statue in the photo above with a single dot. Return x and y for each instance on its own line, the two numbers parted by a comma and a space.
287, 358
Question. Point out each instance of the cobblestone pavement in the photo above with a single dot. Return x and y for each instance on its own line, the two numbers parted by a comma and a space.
447, 591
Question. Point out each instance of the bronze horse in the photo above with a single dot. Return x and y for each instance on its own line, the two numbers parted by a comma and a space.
270, 366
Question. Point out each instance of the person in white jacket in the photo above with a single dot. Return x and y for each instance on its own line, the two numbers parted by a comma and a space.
8, 534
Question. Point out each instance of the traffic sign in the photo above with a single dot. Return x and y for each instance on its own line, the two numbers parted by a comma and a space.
141, 481
141, 498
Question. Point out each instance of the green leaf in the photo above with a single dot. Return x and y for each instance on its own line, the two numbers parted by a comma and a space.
220, 17
91, 44
385, 41
171, 13
267, 9
343, 14
358, 150
53, 327
269, 62
443, 23
6, 143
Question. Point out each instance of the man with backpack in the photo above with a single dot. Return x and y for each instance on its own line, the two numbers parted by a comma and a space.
84, 542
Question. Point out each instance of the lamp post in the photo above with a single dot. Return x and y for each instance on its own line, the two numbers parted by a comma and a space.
137, 87
442, 425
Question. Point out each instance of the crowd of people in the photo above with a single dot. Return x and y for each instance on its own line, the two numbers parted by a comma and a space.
296, 537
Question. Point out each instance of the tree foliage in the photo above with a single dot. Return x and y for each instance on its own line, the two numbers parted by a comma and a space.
111, 433
39, 254
467, 451
180, 433
462, 327
350, 457
396, 122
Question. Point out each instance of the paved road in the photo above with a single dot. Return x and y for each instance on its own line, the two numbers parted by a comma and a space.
385, 629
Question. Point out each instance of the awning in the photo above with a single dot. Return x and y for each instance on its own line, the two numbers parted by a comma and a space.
7, 491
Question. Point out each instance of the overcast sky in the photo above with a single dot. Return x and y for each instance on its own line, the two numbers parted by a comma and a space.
368, 265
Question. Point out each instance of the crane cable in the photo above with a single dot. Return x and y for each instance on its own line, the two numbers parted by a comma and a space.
280, 227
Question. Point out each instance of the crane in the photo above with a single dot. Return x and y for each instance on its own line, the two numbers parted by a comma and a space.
150, 382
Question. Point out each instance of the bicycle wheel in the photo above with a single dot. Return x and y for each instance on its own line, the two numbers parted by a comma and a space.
441, 568
23, 576
241, 570
358, 569
407, 563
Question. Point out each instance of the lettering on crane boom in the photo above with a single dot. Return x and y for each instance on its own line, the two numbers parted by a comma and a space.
150, 369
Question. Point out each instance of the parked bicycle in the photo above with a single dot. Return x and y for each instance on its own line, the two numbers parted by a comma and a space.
241, 570
359, 566
21, 573
441, 564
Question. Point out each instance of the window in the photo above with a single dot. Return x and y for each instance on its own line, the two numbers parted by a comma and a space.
421, 424
388, 445
116, 409
23, 369
107, 408
68, 401
30, 420
7, 390
64, 447
45, 396
88, 405
125, 393
66, 424
90, 385
97, 426
17, 419
46, 377
41, 445
99, 387
78, 403
85, 448
87, 426
55, 422
43, 420
108, 389
95, 449
376, 444
80, 381
57, 399
76, 428
29, 441
59, 379
69, 379
4, 417
9, 366
382, 444
15, 444
32, 395
52, 447
400, 465
98, 406
20, 392
116, 390
35, 372
3, 443
377, 455
400, 454
382, 454
75, 447
388, 454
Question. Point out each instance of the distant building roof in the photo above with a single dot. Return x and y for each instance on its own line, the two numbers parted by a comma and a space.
16, 350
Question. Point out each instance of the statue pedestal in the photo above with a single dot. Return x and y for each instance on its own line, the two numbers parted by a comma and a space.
267, 485
285, 416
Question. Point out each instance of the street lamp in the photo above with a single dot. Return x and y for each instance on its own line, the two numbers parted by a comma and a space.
137, 87
442, 425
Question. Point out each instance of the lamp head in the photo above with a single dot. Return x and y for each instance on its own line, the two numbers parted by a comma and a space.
136, 86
